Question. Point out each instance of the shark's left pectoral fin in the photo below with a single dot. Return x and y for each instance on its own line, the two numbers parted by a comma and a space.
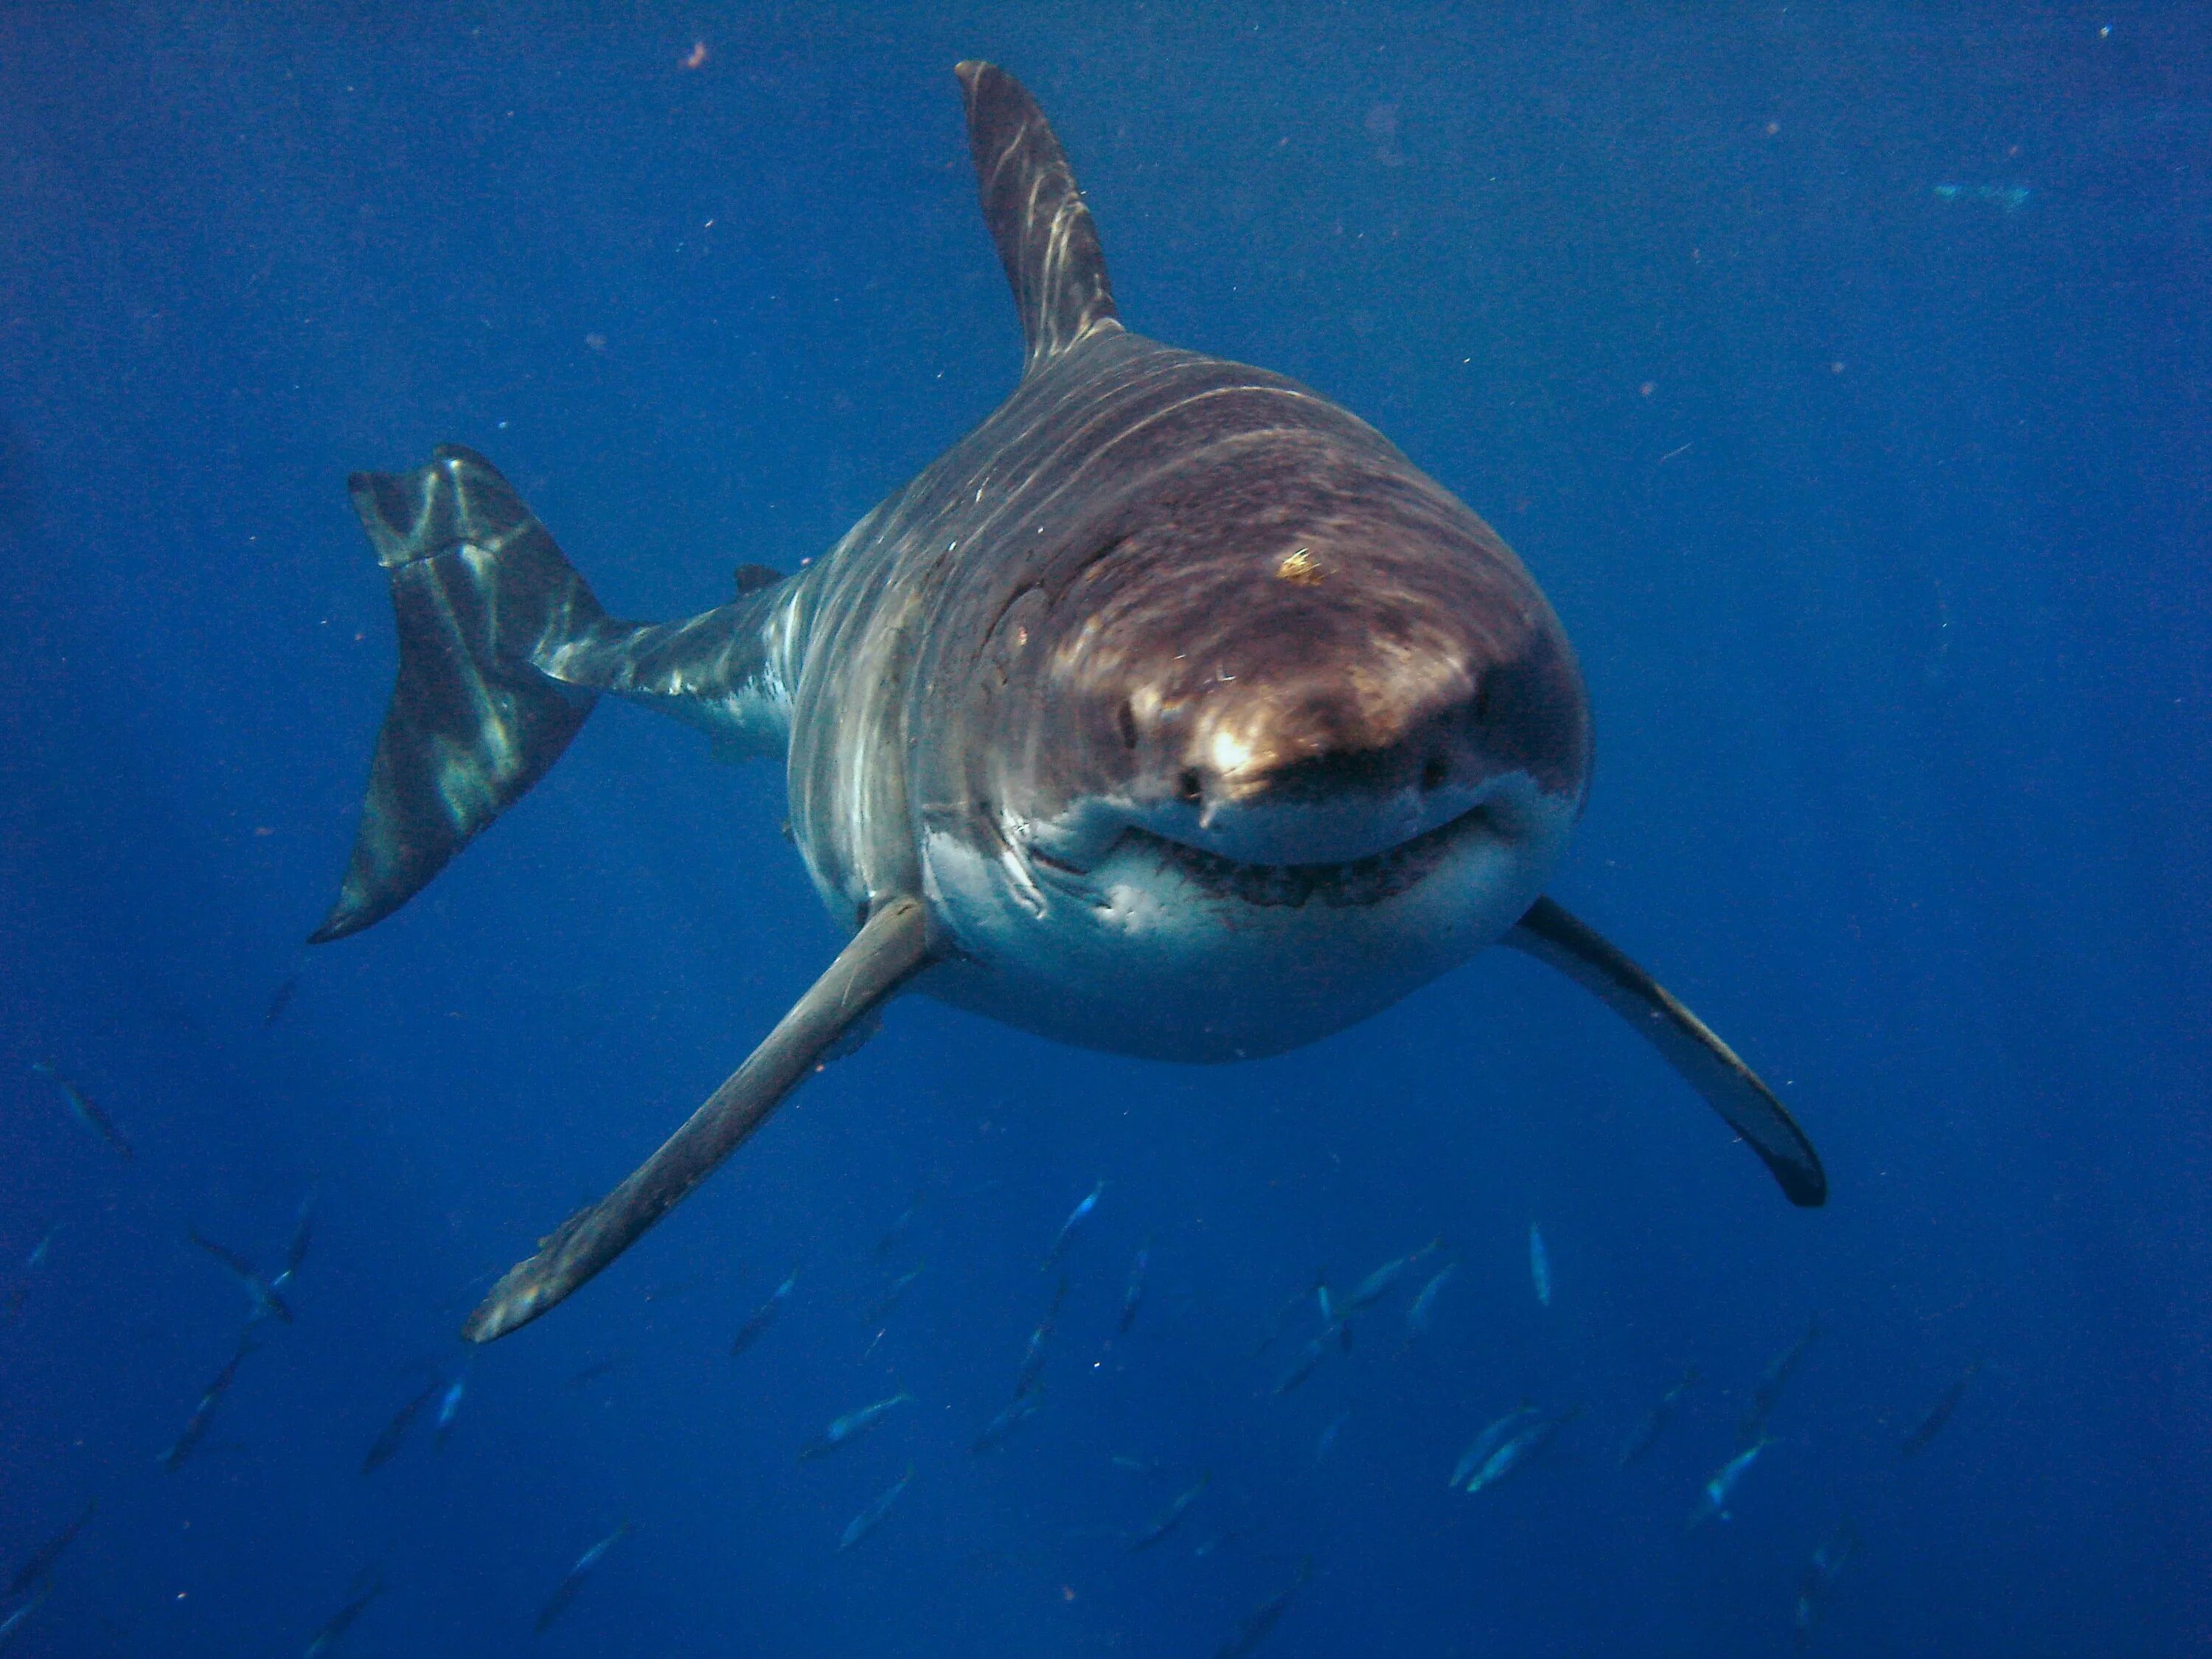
890, 948
1548, 933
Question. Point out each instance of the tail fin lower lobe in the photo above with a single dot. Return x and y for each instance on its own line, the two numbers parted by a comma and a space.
479, 591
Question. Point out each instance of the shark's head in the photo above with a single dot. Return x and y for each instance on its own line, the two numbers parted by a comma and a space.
1280, 733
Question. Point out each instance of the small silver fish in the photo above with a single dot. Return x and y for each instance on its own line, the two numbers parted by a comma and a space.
8, 1625
897, 1230
1422, 1311
872, 1517
295, 1247
2011, 198
1334, 1316
1171, 1517
280, 999
762, 1316
1303, 1367
1001, 1428
1485, 1444
1327, 1440
598, 1368
880, 1309
1938, 1415
1722, 1484
1819, 1578
1280, 1322
340, 1622
1380, 1283
1540, 1266
1653, 1423
34, 1574
1767, 1394
1067, 1228
1523, 1446
267, 1303
1264, 1617
197, 1425
388, 1441
852, 1425
1132, 1293
565, 1591
1032, 1365
80, 1104
449, 1403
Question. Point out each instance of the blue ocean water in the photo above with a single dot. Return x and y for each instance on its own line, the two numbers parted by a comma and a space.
1840, 371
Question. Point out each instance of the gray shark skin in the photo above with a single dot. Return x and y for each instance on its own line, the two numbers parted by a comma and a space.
1170, 712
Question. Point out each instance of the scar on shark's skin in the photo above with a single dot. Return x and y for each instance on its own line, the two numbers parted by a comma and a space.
1170, 712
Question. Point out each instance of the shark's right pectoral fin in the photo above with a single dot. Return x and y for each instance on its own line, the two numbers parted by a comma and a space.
1548, 933
890, 948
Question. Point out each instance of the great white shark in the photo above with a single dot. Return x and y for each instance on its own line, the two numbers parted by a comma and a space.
1170, 712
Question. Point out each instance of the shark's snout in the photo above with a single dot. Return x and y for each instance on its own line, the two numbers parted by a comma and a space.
1293, 654
1357, 751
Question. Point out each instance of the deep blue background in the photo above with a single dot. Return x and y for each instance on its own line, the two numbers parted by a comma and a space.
1879, 521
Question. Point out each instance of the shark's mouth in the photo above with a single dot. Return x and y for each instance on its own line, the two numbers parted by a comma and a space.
1357, 882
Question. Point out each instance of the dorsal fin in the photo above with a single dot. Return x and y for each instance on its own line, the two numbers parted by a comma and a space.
1037, 217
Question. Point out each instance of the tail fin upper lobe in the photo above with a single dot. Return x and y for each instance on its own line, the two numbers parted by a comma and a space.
479, 590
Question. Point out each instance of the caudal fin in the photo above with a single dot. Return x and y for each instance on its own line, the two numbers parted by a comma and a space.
481, 593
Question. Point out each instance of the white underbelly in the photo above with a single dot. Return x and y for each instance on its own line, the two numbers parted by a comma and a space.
1136, 958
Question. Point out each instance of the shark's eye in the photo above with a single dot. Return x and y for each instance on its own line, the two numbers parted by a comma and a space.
1188, 786
1434, 773
1125, 718
1482, 700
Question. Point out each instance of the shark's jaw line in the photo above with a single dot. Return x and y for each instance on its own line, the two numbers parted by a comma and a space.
1336, 883
1355, 882
1128, 937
